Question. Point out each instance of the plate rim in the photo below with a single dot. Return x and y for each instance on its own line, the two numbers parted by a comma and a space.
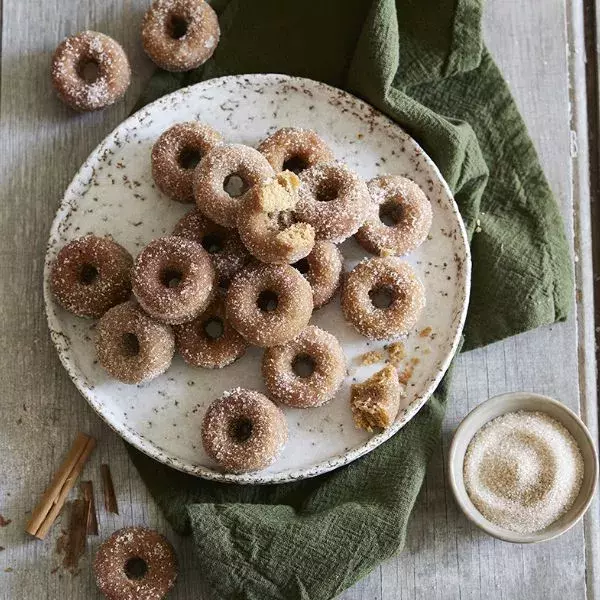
254, 477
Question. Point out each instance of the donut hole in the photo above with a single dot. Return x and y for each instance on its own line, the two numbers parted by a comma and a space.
188, 158
171, 278
267, 300
177, 27
303, 266
213, 328
235, 185
136, 568
213, 242
303, 365
382, 296
240, 429
282, 219
295, 164
391, 213
130, 344
88, 274
327, 190
88, 69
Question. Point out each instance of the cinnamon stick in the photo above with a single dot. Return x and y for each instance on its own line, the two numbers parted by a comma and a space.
54, 497
87, 491
110, 500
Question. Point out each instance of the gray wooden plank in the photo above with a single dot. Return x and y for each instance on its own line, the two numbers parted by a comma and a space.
585, 119
42, 144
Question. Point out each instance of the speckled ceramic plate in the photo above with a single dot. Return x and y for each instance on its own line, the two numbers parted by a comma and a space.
113, 193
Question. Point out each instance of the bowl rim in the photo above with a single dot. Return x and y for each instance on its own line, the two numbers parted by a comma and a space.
457, 480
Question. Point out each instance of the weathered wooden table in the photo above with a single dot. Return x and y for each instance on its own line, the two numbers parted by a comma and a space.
540, 48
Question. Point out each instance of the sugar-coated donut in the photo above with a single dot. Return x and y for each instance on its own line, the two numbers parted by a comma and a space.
90, 49
175, 155
295, 149
401, 218
323, 270
90, 275
266, 221
227, 252
173, 279
314, 381
269, 304
135, 563
180, 35
214, 172
334, 200
131, 346
394, 287
243, 431
209, 340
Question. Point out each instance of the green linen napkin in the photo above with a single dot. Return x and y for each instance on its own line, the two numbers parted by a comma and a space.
422, 62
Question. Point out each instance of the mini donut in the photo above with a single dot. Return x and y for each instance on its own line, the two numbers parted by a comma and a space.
269, 304
173, 279
325, 367
397, 285
131, 346
334, 200
224, 245
135, 563
90, 275
180, 35
266, 222
243, 431
175, 155
295, 149
323, 270
214, 172
401, 220
79, 52
209, 341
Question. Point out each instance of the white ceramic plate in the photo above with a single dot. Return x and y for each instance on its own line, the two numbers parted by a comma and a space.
113, 193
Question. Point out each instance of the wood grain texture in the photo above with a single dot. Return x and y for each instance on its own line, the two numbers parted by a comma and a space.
42, 144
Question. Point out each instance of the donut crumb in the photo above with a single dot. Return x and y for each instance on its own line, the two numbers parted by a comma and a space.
396, 352
375, 402
371, 357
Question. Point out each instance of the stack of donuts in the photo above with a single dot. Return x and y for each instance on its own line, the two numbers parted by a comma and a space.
248, 265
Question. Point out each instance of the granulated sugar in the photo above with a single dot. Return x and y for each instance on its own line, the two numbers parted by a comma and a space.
523, 470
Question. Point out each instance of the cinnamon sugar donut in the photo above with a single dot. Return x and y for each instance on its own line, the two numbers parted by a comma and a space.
224, 245
269, 304
180, 35
334, 200
266, 222
135, 563
131, 346
243, 431
72, 63
382, 298
305, 372
401, 217
175, 155
209, 341
90, 275
214, 173
323, 270
295, 149
173, 279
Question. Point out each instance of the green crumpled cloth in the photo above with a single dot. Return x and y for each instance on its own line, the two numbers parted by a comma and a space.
422, 62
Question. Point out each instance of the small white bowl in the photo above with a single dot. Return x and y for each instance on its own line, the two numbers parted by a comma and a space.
506, 403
